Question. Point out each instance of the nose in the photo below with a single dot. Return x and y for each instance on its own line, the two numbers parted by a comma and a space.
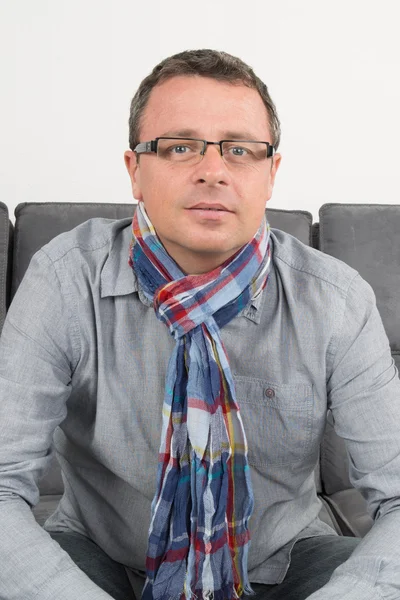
212, 169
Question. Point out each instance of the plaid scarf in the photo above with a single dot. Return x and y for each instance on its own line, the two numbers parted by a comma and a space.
199, 537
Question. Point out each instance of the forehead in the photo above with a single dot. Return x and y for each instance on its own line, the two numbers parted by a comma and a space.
206, 107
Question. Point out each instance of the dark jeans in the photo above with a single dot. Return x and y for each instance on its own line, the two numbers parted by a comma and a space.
313, 561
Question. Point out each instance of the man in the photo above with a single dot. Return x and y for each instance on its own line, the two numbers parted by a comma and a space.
187, 390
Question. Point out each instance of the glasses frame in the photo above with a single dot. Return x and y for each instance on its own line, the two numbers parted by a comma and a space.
152, 145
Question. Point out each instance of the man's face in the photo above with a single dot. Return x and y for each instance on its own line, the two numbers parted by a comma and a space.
176, 194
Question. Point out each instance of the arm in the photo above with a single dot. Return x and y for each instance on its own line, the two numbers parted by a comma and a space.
39, 348
364, 396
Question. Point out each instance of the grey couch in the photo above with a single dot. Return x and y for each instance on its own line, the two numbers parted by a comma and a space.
364, 236
6, 240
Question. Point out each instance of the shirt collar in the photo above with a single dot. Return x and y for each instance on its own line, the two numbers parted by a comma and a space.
119, 279
116, 276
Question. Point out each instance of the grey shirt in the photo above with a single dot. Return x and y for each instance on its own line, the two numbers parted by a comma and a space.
83, 356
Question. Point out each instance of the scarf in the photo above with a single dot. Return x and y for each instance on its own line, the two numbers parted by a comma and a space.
199, 537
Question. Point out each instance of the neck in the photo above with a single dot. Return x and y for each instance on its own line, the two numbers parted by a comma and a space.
196, 263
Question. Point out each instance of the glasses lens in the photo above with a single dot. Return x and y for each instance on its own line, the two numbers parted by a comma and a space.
239, 152
179, 150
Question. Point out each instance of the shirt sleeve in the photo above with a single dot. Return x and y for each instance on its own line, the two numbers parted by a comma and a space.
364, 397
39, 348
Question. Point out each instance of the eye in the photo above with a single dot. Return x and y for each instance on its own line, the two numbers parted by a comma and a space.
179, 149
182, 148
238, 151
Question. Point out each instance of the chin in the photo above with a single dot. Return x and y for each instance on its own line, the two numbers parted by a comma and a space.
208, 250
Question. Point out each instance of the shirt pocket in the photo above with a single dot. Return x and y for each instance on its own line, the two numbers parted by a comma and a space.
277, 419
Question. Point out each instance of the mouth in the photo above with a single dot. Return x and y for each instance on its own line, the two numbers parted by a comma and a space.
203, 206
210, 214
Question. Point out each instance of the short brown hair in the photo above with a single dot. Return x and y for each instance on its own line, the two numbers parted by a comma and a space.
207, 63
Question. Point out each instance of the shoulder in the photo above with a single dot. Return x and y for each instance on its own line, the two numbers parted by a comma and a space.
298, 260
94, 237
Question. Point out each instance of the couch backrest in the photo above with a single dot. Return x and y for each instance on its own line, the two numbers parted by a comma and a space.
6, 230
38, 223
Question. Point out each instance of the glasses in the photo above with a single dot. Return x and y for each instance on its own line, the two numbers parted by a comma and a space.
192, 150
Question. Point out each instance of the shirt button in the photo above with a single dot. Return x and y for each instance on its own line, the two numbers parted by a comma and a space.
269, 393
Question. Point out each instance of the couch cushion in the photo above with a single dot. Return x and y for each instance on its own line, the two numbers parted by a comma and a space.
366, 237
296, 222
350, 511
328, 516
46, 507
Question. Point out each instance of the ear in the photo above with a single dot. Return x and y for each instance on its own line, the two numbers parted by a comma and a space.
276, 161
132, 166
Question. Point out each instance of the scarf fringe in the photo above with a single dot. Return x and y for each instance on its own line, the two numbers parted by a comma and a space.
227, 593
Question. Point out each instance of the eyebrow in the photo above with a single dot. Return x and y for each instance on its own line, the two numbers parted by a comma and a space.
228, 135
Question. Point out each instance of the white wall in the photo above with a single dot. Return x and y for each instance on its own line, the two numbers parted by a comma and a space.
70, 67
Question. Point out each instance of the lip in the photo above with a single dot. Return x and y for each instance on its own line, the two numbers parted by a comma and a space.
210, 207
207, 213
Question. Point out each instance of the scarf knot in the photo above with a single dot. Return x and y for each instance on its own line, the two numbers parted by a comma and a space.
199, 537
